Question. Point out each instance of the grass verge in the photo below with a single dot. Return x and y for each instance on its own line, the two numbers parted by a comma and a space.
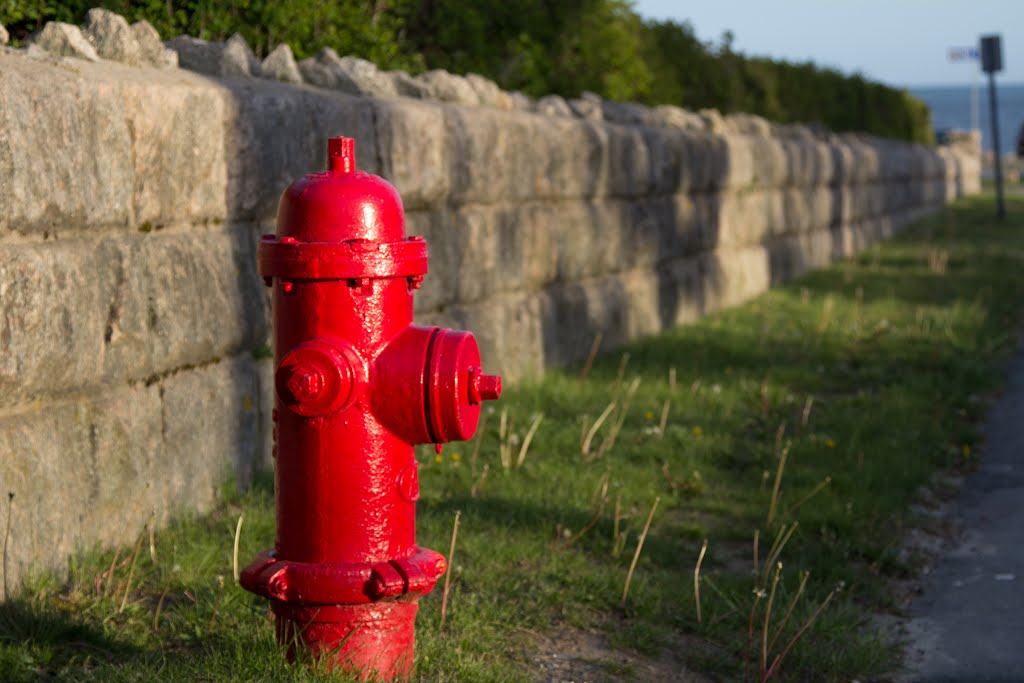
765, 458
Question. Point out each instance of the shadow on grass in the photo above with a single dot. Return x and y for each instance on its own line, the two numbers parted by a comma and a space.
50, 639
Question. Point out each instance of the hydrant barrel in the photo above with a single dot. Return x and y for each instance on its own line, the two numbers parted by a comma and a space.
357, 386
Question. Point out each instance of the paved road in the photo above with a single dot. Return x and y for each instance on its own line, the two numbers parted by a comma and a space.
968, 625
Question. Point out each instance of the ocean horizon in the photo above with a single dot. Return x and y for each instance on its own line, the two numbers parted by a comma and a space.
951, 108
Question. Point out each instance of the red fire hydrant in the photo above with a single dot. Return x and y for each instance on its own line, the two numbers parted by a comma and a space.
357, 385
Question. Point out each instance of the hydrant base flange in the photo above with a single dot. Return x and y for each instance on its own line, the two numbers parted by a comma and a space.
349, 583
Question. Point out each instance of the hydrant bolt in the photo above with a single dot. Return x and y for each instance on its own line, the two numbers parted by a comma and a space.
357, 386
305, 383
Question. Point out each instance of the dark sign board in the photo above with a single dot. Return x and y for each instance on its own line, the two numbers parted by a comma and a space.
991, 54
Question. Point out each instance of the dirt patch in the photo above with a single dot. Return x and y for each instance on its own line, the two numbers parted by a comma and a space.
571, 655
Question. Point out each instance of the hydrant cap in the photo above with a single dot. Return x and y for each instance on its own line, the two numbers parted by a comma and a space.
341, 204
456, 386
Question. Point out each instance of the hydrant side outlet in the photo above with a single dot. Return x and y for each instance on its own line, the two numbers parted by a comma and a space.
357, 386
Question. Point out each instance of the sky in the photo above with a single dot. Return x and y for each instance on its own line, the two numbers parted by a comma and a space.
904, 43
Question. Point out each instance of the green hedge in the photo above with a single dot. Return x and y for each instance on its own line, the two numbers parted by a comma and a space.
537, 46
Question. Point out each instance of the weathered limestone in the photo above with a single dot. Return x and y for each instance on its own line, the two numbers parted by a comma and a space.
367, 78
65, 152
238, 59
5, 37
151, 50
198, 55
488, 92
133, 200
281, 66
326, 71
98, 468
450, 88
409, 86
78, 315
587, 106
552, 105
64, 40
349, 75
111, 36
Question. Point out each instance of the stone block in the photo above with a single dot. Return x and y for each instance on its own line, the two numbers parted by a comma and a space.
238, 59
587, 106
748, 217
521, 101
490, 161
552, 105
488, 92
111, 36
184, 299
414, 150
680, 291
449, 88
64, 40
201, 56
683, 161
78, 314
98, 468
178, 149
749, 124
265, 404
409, 86
210, 418
626, 113
731, 276
470, 256
574, 313
65, 151
739, 169
713, 121
669, 116
630, 171
280, 65
794, 255
367, 78
152, 51
51, 321
324, 71
275, 133
82, 471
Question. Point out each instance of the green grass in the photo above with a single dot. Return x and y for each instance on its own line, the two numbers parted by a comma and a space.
891, 357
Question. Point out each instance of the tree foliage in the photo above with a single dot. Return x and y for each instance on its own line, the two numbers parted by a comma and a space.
537, 46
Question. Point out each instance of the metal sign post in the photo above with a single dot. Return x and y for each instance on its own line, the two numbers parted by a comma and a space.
991, 62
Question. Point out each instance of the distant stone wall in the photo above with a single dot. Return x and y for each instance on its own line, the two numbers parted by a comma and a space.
133, 325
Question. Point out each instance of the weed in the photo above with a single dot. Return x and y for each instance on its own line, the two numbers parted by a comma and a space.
636, 554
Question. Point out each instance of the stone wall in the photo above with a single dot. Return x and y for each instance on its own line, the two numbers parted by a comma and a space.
133, 325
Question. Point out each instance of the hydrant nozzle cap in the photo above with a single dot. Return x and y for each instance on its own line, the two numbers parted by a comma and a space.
341, 155
483, 387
